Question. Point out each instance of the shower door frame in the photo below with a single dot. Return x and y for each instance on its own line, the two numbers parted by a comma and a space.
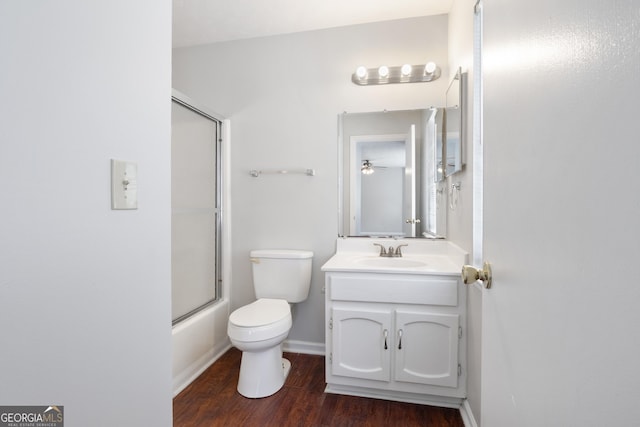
184, 101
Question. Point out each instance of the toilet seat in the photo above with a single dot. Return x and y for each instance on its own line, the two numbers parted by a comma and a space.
261, 320
262, 312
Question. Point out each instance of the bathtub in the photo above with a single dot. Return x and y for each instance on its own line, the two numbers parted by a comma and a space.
197, 342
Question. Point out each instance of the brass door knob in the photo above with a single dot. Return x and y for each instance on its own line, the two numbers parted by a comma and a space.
470, 274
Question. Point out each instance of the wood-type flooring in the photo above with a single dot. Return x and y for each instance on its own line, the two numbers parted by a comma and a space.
212, 400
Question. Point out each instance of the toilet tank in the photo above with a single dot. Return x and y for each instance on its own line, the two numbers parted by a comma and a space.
281, 273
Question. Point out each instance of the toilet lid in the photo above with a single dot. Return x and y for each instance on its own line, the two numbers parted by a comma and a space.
263, 312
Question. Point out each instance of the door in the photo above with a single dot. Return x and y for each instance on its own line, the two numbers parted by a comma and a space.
561, 215
361, 343
409, 203
426, 348
195, 205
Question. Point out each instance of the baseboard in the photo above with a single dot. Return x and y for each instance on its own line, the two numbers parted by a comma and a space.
397, 396
467, 415
304, 347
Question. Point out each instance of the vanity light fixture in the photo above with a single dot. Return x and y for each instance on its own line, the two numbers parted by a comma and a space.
367, 168
406, 73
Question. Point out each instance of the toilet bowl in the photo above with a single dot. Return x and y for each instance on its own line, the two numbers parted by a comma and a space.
258, 330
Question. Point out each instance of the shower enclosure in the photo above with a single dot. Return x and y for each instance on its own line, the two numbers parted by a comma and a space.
195, 208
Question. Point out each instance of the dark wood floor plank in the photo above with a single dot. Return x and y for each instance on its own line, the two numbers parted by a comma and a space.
212, 400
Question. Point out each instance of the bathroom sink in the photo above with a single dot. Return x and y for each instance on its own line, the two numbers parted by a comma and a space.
391, 262
419, 257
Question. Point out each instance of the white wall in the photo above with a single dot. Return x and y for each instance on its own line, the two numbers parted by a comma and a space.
84, 290
283, 95
381, 201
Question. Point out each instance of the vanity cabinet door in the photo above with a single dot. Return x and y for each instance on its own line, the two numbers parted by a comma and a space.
361, 343
426, 348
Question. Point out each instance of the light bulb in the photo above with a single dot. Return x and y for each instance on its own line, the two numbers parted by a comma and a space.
383, 71
367, 167
361, 72
406, 70
430, 68
367, 171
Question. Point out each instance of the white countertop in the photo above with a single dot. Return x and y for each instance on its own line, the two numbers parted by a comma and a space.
420, 256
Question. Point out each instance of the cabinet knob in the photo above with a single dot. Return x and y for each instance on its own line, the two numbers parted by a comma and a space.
470, 274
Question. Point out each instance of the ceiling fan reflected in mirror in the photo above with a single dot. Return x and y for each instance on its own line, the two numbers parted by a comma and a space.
368, 168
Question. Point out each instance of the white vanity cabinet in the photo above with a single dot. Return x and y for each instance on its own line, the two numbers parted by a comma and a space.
396, 336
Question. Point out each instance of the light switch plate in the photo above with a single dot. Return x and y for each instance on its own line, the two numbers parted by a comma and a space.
124, 185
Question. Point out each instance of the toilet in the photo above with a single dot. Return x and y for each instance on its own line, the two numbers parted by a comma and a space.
280, 277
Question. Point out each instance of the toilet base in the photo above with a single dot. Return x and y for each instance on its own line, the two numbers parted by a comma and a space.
286, 367
262, 373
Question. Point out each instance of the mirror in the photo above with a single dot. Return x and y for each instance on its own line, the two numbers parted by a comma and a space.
390, 182
453, 126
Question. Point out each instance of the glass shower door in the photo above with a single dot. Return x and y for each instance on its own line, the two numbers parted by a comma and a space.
194, 209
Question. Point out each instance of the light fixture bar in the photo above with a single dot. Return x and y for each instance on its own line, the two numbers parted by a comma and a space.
412, 74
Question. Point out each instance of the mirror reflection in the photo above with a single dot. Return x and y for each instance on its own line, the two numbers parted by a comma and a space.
453, 126
389, 174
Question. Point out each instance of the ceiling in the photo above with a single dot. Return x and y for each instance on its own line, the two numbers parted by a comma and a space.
197, 22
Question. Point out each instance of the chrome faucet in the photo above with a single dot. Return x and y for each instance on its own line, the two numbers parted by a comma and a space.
390, 253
